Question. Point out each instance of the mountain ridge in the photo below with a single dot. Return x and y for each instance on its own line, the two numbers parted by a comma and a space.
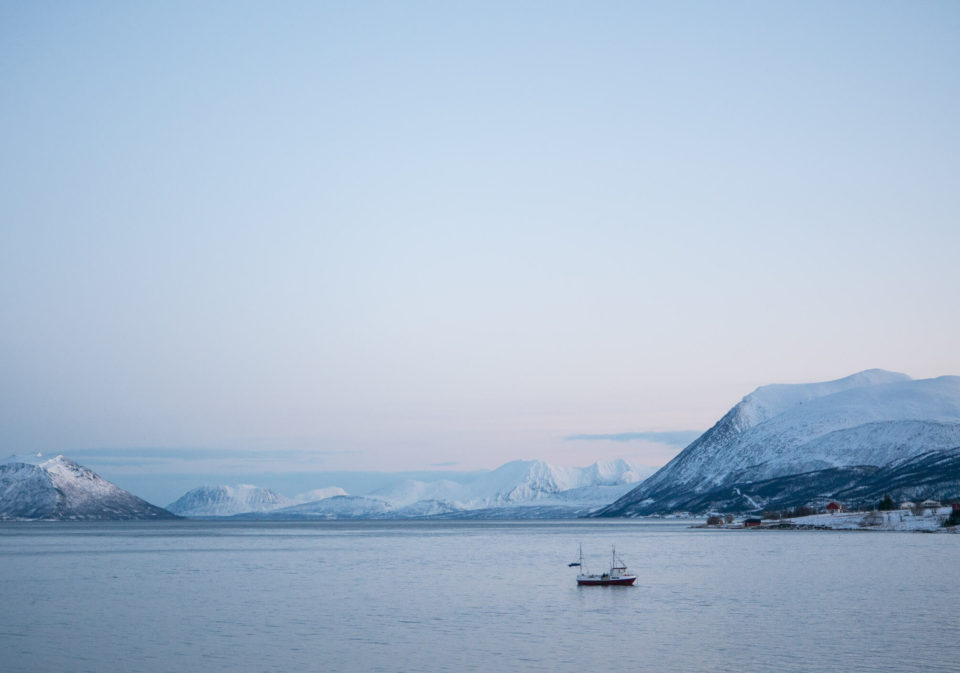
517, 485
32, 488
869, 418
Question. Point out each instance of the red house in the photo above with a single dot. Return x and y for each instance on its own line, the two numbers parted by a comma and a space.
750, 523
834, 507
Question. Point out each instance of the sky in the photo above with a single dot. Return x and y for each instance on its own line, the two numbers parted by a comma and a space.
249, 238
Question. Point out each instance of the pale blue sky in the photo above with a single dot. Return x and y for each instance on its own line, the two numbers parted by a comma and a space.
394, 235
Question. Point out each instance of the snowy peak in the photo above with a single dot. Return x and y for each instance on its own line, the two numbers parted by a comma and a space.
518, 481
525, 480
59, 488
871, 418
410, 491
320, 494
533, 478
214, 501
336, 507
771, 400
80, 486
614, 473
521, 483
227, 501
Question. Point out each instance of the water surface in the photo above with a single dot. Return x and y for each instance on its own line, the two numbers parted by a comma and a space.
470, 596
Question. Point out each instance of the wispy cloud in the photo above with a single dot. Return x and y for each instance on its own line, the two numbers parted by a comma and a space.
186, 453
186, 460
671, 438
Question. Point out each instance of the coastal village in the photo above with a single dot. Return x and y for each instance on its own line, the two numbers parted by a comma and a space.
927, 516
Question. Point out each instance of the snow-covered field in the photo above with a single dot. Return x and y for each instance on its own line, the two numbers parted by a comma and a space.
897, 520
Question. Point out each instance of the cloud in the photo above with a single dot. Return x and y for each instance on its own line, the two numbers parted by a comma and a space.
449, 463
188, 453
678, 438
179, 460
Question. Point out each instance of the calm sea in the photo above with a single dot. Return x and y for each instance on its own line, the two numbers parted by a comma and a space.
470, 596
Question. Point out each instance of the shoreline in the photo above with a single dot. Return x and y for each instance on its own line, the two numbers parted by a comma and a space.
895, 521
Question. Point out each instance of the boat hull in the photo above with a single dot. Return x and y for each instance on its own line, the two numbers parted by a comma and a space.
613, 581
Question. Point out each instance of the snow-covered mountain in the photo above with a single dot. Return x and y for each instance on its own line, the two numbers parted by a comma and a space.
535, 480
873, 418
934, 474
527, 488
33, 487
319, 494
207, 501
336, 507
217, 501
520, 481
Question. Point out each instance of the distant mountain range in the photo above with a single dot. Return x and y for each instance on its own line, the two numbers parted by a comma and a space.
853, 440
519, 489
783, 445
38, 488
34, 487
220, 501
212, 501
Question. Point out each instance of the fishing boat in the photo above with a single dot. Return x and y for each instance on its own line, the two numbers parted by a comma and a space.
618, 575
